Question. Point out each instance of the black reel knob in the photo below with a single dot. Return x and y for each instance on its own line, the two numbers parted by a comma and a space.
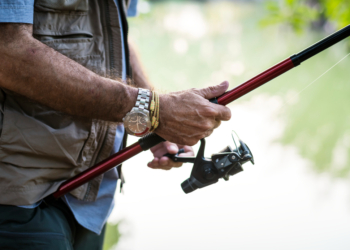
188, 186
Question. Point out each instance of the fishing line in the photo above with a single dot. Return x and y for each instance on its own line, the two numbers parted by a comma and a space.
291, 99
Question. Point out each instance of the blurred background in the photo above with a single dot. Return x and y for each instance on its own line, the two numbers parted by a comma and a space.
297, 195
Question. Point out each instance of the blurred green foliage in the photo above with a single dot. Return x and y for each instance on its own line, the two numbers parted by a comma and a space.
112, 236
232, 47
293, 12
318, 124
338, 11
301, 14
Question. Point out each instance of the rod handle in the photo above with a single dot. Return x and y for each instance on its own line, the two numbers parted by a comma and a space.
150, 141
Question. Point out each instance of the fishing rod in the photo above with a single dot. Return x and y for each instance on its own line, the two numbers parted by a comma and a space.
228, 162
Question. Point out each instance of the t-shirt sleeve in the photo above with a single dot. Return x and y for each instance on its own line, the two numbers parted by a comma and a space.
132, 10
16, 11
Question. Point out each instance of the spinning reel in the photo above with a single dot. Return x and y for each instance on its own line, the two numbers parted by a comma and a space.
207, 171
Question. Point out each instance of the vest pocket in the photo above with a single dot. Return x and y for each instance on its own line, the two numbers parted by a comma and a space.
62, 5
74, 45
91, 62
78, 47
35, 136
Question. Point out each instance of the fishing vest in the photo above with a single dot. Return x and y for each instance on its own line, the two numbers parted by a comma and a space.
39, 147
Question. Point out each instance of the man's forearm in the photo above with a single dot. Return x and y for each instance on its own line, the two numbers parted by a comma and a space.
32, 69
139, 76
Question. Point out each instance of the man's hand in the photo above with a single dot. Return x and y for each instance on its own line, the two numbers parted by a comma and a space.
162, 162
32, 69
188, 116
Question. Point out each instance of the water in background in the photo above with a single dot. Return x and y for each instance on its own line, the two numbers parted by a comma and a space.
297, 194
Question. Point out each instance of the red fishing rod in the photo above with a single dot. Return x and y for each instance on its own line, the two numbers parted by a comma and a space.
151, 140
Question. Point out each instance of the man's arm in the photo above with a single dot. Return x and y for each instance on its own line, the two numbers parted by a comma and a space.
139, 76
32, 69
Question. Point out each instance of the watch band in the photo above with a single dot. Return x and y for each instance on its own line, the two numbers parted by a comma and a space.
143, 100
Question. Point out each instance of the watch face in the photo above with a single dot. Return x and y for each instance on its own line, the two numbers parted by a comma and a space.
137, 122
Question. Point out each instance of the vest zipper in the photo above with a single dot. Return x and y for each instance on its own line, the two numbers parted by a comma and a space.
111, 65
125, 37
109, 34
111, 50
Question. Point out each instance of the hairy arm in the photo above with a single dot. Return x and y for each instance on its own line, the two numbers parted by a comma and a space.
139, 76
32, 69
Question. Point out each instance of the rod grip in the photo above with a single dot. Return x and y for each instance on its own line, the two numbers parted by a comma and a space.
150, 141
214, 100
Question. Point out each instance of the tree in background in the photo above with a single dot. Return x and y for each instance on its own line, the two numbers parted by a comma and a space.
303, 14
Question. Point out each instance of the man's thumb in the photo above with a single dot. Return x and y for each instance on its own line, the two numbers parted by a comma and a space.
214, 91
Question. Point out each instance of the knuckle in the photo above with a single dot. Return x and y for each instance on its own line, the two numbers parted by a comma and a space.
228, 114
202, 92
218, 123
207, 125
211, 88
210, 112
207, 133
196, 90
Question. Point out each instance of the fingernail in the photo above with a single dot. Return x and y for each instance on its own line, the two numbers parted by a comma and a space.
172, 148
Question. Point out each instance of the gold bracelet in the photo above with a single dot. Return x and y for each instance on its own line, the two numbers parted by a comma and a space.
154, 100
152, 107
155, 113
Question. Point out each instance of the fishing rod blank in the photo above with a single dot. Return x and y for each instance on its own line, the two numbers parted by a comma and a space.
151, 140
283, 66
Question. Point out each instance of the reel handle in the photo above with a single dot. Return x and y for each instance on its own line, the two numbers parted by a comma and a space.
177, 158
172, 156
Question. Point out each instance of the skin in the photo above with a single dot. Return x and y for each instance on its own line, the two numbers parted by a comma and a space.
38, 72
32, 69
162, 162
141, 80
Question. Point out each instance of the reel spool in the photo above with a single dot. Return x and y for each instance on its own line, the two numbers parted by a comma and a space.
207, 171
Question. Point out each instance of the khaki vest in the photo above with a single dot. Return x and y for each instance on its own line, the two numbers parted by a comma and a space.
40, 147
